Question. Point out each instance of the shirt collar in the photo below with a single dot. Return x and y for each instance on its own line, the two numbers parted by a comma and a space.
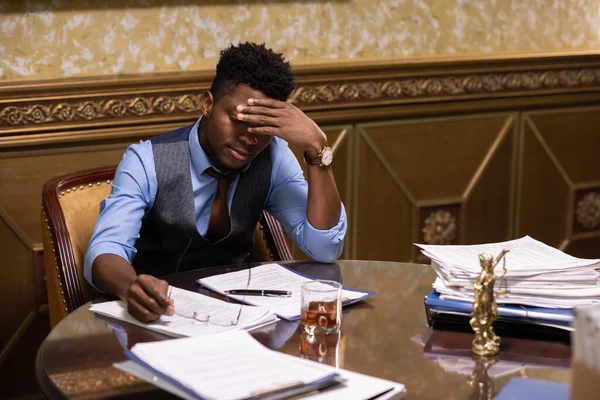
200, 161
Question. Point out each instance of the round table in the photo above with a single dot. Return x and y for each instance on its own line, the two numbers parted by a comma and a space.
385, 336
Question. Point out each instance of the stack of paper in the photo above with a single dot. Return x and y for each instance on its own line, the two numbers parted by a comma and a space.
272, 277
233, 365
537, 274
195, 314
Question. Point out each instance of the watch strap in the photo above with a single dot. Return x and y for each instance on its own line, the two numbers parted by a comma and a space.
312, 160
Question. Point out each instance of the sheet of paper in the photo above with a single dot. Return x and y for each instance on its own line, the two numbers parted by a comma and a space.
527, 256
192, 311
228, 366
270, 277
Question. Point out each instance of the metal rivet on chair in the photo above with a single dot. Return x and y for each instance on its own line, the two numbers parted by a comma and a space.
107, 181
65, 302
89, 185
54, 251
98, 183
57, 267
62, 193
66, 309
59, 283
75, 188
68, 190
46, 219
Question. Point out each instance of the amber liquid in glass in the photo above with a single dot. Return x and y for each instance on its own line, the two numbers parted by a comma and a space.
320, 317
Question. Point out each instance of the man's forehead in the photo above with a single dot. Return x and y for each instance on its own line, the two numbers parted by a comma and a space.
241, 94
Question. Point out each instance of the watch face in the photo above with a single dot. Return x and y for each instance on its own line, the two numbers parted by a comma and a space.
327, 156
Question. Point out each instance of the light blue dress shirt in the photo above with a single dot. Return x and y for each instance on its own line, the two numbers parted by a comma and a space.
134, 190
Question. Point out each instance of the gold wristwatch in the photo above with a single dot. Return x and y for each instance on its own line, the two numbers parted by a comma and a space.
323, 159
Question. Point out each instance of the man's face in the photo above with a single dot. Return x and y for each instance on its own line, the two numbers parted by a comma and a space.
226, 139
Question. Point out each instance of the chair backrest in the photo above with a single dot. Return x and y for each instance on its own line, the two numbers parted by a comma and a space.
70, 208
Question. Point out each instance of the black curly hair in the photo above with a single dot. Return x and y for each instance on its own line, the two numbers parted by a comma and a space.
256, 66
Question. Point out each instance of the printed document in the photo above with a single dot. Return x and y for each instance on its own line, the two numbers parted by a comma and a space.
235, 366
228, 366
195, 314
271, 277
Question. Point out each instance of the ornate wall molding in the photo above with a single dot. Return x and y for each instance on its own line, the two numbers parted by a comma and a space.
439, 228
449, 86
116, 108
588, 210
114, 100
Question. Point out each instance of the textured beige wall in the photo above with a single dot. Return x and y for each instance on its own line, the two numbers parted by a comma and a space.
61, 38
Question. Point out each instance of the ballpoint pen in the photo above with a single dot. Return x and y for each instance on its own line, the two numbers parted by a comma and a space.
259, 292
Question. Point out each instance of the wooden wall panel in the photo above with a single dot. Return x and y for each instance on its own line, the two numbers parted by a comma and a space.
559, 196
585, 247
17, 278
489, 203
544, 193
435, 158
22, 175
452, 175
383, 212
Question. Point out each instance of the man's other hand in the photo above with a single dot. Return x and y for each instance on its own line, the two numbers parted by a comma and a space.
147, 299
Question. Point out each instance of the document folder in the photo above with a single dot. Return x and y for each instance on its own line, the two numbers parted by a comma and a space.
513, 320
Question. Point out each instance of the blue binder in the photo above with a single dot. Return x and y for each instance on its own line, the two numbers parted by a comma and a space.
456, 311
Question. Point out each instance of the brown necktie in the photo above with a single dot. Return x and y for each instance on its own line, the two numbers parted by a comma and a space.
218, 226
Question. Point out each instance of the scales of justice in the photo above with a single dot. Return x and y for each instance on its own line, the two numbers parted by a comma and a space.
485, 309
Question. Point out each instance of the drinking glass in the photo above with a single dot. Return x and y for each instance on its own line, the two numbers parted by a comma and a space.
321, 303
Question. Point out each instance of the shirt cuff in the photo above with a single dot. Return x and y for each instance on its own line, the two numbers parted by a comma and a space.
325, 245
95, 251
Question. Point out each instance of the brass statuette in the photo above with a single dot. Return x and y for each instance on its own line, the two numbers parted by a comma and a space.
485, 309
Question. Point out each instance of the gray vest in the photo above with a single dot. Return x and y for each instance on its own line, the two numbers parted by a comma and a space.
169, 240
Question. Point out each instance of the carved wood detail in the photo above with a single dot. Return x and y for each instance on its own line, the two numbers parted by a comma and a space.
448, 86
68, 102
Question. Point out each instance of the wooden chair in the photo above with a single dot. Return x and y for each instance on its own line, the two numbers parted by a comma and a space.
70, 208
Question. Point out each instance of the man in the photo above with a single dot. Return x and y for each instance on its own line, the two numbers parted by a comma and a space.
191, 198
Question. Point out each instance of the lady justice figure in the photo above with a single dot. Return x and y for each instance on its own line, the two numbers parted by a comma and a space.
485, 309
